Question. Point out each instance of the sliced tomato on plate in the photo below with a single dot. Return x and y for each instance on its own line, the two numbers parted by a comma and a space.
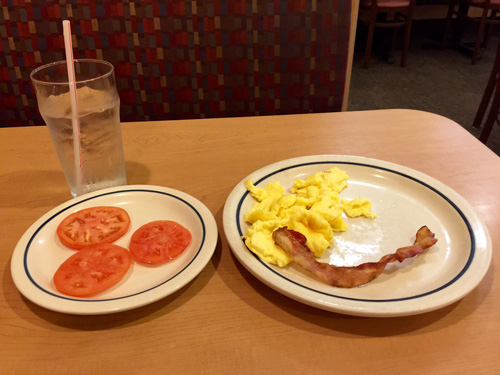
92, 270
159, 241
92, 226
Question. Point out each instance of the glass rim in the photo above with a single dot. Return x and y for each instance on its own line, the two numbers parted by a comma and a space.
46, 66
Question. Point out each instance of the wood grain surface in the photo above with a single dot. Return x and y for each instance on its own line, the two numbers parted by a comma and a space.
226, 321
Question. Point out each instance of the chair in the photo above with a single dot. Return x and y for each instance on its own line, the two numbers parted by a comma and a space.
492, 91
377, 15
187, 59
488, 10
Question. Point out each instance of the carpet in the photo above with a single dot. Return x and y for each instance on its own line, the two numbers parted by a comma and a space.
435, 80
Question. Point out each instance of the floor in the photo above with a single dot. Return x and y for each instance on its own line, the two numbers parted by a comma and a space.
435, 80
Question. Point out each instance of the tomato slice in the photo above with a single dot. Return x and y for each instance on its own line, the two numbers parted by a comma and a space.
159, 241
92, 226
92, 270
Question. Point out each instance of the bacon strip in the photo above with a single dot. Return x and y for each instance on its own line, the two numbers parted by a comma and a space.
294, 244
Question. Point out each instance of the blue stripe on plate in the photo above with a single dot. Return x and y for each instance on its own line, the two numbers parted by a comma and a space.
98, 196
450, 202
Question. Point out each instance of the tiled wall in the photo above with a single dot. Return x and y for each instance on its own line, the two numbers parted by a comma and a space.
184, 59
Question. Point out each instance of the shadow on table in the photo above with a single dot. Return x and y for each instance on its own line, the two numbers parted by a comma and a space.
137, 174
132, 317
346, 325
33, 191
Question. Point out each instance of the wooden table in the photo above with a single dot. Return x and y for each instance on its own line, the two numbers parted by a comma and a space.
226, 321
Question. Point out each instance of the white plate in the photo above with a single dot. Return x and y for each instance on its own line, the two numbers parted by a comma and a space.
404, 200
39, 252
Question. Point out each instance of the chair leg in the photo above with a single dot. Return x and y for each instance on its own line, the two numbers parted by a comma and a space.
447, 28
394, 39
487, 32
490, 86
406, 43
488, 92
480, 35
492, 115
369, 39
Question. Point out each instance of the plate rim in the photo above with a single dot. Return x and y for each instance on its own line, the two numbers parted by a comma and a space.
81, 306
359, 307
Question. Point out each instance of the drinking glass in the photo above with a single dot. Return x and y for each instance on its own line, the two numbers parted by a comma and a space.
101, 162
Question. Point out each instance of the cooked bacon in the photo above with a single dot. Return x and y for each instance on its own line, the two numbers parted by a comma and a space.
294, 244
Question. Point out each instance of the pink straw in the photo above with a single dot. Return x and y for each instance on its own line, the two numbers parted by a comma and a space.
74, 104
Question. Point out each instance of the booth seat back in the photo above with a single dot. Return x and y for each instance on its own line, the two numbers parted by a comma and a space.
185, 59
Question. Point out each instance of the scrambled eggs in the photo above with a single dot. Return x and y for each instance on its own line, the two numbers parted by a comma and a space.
313, 208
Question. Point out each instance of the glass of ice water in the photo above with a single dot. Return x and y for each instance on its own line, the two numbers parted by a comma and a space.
98, 109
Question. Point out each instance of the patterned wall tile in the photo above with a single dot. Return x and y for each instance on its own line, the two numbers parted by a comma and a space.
184, 59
